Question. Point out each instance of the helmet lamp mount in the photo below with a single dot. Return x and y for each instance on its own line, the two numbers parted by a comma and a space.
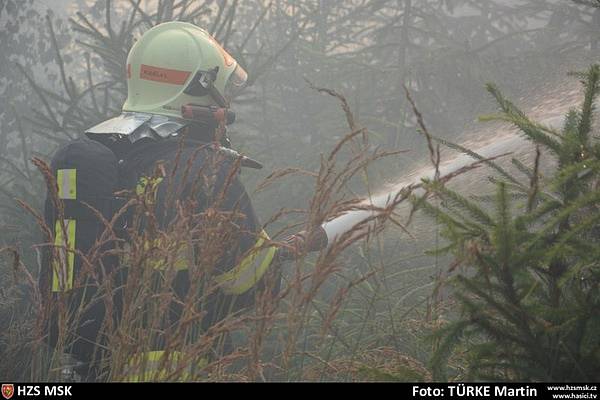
203, 83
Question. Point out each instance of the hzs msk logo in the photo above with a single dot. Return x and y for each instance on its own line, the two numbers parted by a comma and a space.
8, 389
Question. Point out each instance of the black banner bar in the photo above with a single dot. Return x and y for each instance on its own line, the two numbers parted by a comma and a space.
399, 390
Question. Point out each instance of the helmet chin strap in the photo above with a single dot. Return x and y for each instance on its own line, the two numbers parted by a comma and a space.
202, 84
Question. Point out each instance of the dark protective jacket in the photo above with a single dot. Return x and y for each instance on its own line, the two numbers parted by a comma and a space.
210, 180
192, 173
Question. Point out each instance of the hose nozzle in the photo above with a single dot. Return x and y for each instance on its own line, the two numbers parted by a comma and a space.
301, 243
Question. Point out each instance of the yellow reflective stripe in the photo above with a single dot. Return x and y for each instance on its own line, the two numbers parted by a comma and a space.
181, 262
147, 366
67, 183
148, 186
62, 269
249, 271
156, 356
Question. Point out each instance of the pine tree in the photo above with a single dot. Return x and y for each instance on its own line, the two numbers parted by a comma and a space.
528, 292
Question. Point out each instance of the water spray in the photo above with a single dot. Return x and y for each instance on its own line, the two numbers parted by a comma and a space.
512, 143
499, 142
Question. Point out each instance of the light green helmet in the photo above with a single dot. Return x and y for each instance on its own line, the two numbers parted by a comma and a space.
178, 63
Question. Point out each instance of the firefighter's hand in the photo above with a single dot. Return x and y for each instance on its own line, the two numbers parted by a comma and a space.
303, 242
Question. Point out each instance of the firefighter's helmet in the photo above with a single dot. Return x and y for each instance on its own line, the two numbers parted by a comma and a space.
178, 63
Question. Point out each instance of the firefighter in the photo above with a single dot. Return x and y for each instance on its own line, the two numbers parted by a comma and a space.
180, 84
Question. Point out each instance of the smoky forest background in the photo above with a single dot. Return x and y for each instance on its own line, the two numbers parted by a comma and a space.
490, 272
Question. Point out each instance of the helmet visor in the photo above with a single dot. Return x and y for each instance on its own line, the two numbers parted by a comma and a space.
236, 83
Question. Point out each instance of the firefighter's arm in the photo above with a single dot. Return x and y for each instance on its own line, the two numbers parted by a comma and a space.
251, 268
259, 253
265, 254
253, 252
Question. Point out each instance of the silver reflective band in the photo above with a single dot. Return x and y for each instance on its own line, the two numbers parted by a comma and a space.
137, 125
124, 124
